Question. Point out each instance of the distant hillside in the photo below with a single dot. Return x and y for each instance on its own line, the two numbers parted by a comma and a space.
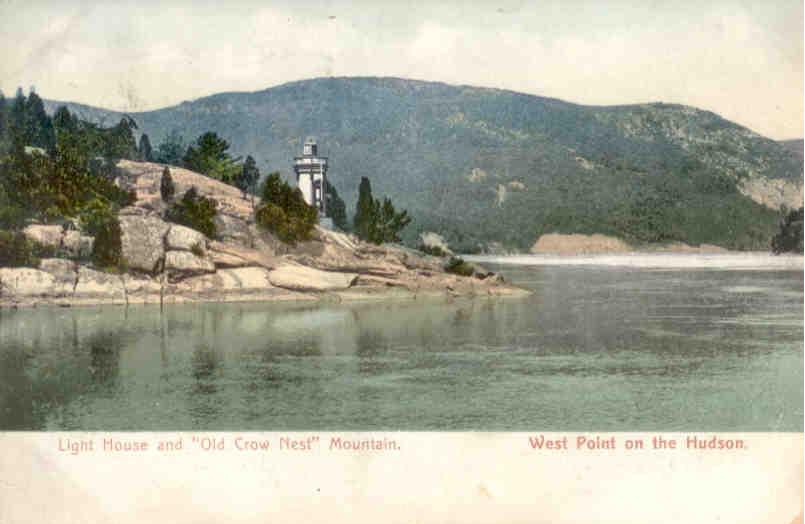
795, 146
486, 166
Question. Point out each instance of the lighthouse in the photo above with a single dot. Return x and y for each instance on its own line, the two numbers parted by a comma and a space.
311, 176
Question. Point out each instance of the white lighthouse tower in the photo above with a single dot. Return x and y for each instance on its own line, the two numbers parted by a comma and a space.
311, 176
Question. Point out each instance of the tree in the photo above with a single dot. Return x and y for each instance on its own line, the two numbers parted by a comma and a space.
377, 221
171, 150
336, 207
208, 156
387, 222
195, 211
284, 212
38, 125
166, 187
364, 210
119, 141
248, 176
146, 153
789, 238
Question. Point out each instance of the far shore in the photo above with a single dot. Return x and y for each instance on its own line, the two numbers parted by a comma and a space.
724, 260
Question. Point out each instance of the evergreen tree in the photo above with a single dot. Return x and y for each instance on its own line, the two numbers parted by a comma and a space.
248, 176
64, 121
364, 210
166, 187
208, 156
17, 120
336, 207
120, 141
3, 123
171, 150
146, 153
789, 238
387, 222
38, 126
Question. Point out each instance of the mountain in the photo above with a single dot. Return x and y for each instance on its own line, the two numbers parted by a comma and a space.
488, 167
794, 145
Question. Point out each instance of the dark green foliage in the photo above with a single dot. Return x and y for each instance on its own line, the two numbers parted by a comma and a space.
364, 210
377, 221
195, 211
171, 150
336, 208
119, 141
16, 250
458, 266
789, 238
107, 247
387, 222
248, 176
166, 187
208, 156
284, 212
146, 153
95, 215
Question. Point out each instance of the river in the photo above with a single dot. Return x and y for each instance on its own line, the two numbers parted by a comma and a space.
709, 346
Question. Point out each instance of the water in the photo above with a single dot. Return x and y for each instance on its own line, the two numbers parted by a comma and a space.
594, 348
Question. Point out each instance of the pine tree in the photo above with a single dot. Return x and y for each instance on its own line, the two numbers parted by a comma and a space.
146, 153
171, 150
336, 207
208, 156
248, 176
166, 187
364, 210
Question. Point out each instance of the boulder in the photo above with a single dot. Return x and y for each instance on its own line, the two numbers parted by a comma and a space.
76, 245
230, 252
142, 241
24, 282
94, 285
185, 263
301, 278
50, 236
142, 290
63, 271
185, 239
233, 229
244, 280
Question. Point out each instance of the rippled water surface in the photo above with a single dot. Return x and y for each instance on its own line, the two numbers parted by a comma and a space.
594, 348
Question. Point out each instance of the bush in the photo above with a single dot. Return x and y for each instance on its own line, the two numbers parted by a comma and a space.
195, 211
94, 216
16, 250
107, 250
284, 211
458, 266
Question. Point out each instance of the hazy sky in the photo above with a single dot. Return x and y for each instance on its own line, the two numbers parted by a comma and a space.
743, 60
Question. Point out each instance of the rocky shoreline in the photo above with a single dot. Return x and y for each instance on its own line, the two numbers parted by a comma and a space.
169, 263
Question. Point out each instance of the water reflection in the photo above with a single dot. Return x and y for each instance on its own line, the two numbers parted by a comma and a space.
591, 349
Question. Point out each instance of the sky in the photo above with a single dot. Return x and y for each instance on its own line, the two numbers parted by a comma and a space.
740, 59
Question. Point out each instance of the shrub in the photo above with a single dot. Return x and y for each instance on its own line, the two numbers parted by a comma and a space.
107, 250
284, 211
94, 216
166, 187
16, 250
457, 266
195, 211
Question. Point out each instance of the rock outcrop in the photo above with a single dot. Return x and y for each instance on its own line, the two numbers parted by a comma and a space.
170, 263
142, 240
